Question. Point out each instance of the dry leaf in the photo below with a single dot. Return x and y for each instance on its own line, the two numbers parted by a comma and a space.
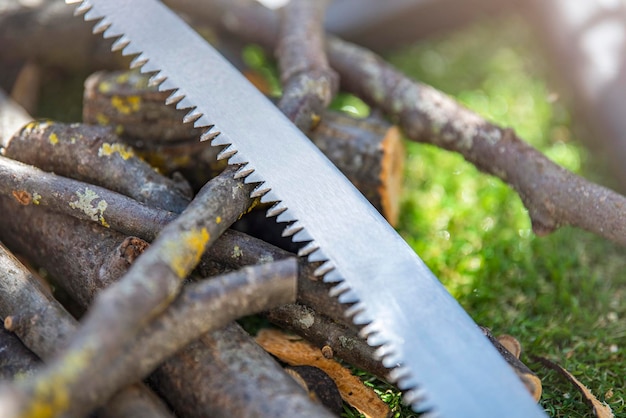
600, 409
297, 352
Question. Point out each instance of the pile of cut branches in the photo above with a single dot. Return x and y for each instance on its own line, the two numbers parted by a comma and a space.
147, 259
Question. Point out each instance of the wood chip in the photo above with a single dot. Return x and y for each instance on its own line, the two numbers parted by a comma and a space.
298, 352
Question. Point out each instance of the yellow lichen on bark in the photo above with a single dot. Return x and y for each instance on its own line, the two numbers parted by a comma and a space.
126, 105
54, 138
184, 253
84, 204
108, 149
50, 395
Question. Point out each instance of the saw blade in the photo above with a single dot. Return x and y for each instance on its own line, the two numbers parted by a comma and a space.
436, 353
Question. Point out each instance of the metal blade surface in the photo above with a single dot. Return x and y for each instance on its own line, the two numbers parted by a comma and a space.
438, 354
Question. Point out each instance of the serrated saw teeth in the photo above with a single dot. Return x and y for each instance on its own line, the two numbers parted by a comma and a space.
192, 116
348, 297
136, 62
244, 171
259, 191
291, 229
100, 27
338, 289
315, 255
302, 236
227, 152
275, 210
119, 44
324, 269
237, 159
398, 373
256, 178
156, 80
309, 250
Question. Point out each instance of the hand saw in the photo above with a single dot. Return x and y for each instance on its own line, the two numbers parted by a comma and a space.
435, 352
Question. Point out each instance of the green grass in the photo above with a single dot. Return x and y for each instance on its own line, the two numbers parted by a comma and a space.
560, 295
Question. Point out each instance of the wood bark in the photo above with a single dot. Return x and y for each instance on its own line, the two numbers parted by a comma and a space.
236, 378
323, 331
82, 256
28, 186
200, 307
45, 327
309, 84
95, 154
153, 281
368, 151
16, 361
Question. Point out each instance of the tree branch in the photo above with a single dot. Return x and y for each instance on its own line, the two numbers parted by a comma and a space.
553, 195
46, 327
308, 82
28, 185
233, 377
95, 154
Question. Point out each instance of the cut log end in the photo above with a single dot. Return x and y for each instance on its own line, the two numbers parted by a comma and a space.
391, 175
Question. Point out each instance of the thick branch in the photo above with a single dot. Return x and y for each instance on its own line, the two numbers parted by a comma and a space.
233, 377
309, 84
28, 185
95, 154
80, 255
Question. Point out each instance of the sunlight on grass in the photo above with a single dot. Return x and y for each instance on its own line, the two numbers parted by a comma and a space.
556, 294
